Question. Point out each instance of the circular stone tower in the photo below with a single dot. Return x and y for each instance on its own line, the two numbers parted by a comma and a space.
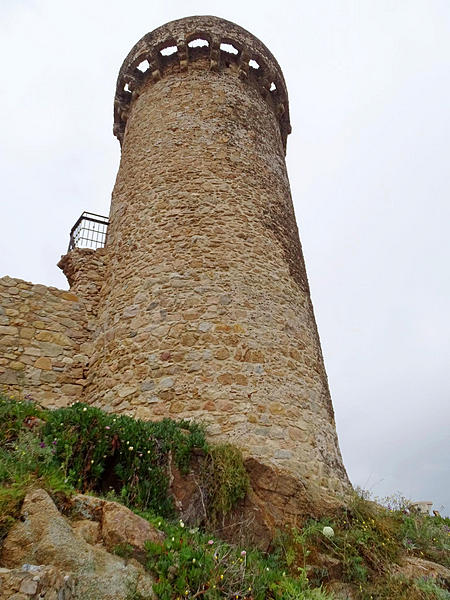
205, 311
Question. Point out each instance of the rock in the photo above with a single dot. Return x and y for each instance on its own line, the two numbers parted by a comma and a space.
87, 530
423, 507
275, 498
43, 536
87, 507
121, 526
33, 581
324, 562
343, 591
413, 567
166, 383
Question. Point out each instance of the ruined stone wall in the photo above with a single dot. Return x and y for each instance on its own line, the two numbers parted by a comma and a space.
205, 312
85, 272
43, 342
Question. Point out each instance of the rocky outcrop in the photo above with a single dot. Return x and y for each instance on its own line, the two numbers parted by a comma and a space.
413, 567
121, 526
274, 499
35, 582
43, 536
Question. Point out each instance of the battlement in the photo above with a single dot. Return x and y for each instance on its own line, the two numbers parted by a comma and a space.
225, 45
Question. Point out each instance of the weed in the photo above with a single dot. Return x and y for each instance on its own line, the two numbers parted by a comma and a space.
225, 479
188, 564
101, 452
13, 415
123, 550
400, 588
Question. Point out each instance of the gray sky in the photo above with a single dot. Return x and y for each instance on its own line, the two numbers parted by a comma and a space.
368, 159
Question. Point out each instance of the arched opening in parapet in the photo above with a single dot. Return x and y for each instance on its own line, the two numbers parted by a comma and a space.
273, 87
168, 50
198, 43
253, 64
143, 66
225, 47
198, 46
126, 88
229, 54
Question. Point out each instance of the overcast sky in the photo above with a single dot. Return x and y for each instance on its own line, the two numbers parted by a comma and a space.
369, 164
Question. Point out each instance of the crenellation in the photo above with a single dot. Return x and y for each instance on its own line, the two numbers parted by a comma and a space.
254, 62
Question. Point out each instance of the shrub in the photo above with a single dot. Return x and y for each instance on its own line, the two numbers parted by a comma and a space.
13, 415
101, 452
189, 565
426, 536
84, 448
225, 480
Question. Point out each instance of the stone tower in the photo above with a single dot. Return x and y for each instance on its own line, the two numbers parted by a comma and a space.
204, 310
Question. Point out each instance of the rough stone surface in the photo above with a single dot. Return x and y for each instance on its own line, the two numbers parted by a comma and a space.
274, 497
413, 567
36, 582
43, 536
44, 348
121, 526
84, 269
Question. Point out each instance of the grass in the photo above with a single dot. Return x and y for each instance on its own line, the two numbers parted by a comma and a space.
191, 564
81, 448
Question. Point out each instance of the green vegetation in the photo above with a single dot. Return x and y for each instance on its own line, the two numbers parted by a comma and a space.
124, 550
100, 452
81, 448
191, 564
84, 448
366, 540
225, 480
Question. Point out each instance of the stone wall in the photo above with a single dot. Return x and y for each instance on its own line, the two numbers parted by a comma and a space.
43, 342
85, 272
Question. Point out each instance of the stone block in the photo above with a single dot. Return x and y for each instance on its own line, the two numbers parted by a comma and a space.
43, 363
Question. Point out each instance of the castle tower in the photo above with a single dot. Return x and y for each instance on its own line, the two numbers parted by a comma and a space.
205, 311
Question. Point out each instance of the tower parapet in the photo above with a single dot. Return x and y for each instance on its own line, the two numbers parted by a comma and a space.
223, 44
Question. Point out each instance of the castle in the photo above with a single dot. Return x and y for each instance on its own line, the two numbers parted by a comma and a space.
198, 305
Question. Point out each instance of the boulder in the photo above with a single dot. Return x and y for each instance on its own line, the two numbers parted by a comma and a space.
88, 530
414, 567
275, 499
121, 526
86, 507
35, 581
43, 536
343, 591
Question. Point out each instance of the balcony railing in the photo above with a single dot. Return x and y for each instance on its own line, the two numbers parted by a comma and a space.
89, 232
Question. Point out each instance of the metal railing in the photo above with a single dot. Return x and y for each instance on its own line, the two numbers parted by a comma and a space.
89, 232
